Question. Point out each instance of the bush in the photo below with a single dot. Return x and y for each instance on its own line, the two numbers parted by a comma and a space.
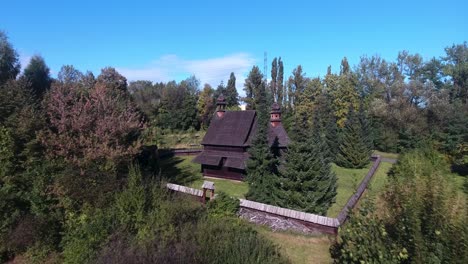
223, 205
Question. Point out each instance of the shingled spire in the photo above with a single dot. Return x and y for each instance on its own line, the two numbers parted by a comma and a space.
275, 115
221, 106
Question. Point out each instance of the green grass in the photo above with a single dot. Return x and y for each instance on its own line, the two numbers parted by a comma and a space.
180, 139
386, 154
181, 170
300, 249
232, 188
348, 181
379, 180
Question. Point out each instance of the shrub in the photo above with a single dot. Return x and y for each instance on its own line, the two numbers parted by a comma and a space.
223, 205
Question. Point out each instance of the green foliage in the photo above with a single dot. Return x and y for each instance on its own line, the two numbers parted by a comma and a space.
364, 239
131, 202
9, 193
223, 205
428, 213
9, 60
230, 93
147, 224
262, 172
354, 150
85, 233
344, 93
456, 67
254, 89
178, 109
206, 106
37, 74
421, 218
307, 180
234, 242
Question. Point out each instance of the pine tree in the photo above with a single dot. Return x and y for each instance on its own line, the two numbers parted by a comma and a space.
230, 93
354, 150
307, 180
262, 172
38, 75
326, 119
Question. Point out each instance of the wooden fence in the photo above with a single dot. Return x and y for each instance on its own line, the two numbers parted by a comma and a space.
320, 223
165, 153
360, 190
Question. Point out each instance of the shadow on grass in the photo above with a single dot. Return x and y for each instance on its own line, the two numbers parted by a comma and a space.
179, 170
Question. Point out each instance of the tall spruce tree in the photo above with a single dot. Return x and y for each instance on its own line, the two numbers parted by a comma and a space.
354, 150
307, 179
38, 75
230, 93
262, 166
326, 119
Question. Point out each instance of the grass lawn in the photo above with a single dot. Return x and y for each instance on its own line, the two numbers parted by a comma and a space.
379, 180
386, 154
300, 249
181, 170
348, 181
181, 139
233, 188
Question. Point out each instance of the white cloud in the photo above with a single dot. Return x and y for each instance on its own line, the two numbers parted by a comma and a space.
211, 70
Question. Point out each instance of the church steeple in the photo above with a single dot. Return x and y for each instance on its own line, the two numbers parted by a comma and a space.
221, 106
275, 115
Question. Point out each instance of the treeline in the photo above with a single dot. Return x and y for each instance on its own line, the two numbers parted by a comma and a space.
78, 185
407, 102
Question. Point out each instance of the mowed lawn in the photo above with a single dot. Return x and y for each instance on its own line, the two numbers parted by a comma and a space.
348, 181
181, 170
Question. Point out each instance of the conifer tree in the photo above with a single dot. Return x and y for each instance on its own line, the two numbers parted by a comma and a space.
327, 121
9, 60
230, 93
354, 150
308, 182
262, 172
38, 75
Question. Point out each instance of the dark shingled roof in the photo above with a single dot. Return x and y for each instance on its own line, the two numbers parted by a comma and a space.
237, 129
233, 129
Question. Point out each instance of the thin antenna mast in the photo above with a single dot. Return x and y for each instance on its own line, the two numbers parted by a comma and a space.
265, 67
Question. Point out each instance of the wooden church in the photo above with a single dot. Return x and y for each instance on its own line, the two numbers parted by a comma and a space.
228, 139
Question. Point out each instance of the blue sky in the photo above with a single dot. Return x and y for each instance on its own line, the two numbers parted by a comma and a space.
165, 40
